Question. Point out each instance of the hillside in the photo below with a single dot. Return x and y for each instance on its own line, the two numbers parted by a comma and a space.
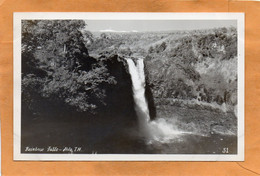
183, 68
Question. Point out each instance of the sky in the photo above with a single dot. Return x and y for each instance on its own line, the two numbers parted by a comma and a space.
155, 25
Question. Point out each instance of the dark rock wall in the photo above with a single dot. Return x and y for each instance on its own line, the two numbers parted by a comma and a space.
119, 97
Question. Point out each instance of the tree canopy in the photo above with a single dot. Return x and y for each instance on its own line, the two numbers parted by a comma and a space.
56, 64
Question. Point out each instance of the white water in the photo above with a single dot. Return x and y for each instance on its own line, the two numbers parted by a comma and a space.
159, 129
141, 107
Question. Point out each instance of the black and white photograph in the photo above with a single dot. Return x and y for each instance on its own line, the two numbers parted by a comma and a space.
129, 86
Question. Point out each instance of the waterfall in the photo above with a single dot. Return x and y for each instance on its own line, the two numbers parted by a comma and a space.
138, 81
158, 130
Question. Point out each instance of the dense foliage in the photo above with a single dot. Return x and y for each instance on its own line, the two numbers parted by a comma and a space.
56, 65
197, 66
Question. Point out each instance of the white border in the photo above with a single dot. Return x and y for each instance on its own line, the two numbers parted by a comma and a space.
125, 16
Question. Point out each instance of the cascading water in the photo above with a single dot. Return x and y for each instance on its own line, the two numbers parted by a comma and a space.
158, 130
138, 81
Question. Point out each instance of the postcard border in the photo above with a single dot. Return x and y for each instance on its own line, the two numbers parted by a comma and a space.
18, 16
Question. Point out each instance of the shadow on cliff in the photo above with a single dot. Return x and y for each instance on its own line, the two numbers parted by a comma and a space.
150, 101
119, 97
149, 95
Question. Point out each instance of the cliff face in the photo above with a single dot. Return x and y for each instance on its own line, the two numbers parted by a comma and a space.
119, 103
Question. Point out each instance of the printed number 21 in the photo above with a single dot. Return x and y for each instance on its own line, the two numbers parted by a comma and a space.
225, 150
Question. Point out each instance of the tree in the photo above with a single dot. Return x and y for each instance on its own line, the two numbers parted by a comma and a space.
56, 64
88, 37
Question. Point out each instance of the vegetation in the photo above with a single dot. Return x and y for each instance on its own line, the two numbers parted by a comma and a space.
70, 75
61, 62
198, 65
56, 65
